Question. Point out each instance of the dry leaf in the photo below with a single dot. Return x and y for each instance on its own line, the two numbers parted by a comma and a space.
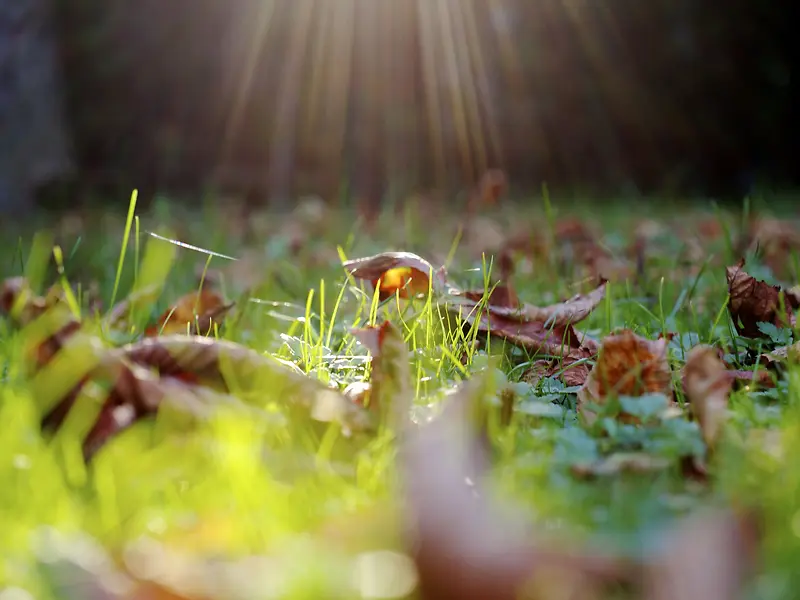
193, 373
775, 240
195, 313
236, 369
627, 365
573, 370
707, 384
547, 330
403, 273
708, 556
490, 190
455, 528
753, 301
390, 380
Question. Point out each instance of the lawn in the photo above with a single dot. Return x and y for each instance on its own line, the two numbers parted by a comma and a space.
365, 428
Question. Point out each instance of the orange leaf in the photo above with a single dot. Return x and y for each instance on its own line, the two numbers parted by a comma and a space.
393, 272
628, 365
196, 312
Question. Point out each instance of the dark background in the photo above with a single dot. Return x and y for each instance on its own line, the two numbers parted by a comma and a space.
358, 97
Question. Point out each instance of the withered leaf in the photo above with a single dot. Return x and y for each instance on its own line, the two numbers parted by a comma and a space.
402, 273
573, 369
390, 380
540, 330
236, 369
573, 310
707, 382
456, 528
707, 386
547, 330
627, 365
753, 302
707, 556
195, 313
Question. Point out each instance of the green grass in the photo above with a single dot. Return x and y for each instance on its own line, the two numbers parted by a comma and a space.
234, 485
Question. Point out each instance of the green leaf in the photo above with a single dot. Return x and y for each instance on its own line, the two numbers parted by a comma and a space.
779, 335
541, 409
645, 407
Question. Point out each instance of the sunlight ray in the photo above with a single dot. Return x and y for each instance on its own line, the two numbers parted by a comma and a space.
246, 74
454, 86
469, 86
477, 48
284, 139
431, 80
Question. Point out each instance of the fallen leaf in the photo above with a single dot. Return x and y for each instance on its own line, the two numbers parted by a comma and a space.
232, 368
392, 273
753, 301
707, 556
390, 379
195, 313
627, 365
456, 528
547, 330
774, 240
491, 188
573, 369
707, 384
758, 378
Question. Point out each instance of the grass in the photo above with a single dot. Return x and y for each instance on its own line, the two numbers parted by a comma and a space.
171, 494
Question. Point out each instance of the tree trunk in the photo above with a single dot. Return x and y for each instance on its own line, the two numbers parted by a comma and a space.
34, 146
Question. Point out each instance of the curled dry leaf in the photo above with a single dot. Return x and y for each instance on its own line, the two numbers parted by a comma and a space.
236, 369
548, 330
753, 301
392, 273
707, 385
194, 313
627, 365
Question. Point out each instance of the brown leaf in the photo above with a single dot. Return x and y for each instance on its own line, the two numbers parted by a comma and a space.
627, 365
492, 187
758, 378
393, 272
196, 312
707, 384
236, 369
573, 369
545, 330
456, 528
571, 311
708, 556
548, 330
390, 379
753, 301
775, 240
